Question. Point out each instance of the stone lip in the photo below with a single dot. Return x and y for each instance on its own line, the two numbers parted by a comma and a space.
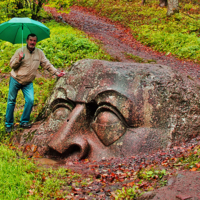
112, 109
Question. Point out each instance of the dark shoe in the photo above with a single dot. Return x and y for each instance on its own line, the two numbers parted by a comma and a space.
8, 129
25, 125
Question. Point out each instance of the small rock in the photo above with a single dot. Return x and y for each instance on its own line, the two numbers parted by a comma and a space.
171, 181
147, 196
69, 163
103, 159
183, 197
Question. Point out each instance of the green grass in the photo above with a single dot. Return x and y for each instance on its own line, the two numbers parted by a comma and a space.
177, 35
191, 161
21, 178
13, 176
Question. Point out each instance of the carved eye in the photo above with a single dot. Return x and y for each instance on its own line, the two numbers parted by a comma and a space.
59, 114
108, 126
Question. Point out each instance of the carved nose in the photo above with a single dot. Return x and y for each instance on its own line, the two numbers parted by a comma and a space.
72, 133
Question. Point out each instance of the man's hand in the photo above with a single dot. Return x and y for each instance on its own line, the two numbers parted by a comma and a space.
21, 56
61, 74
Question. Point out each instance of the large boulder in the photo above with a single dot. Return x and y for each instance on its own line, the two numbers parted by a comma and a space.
112, 109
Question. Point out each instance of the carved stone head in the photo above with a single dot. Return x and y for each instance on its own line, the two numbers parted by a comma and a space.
110, 109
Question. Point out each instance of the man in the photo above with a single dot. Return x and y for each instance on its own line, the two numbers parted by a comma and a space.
24, 66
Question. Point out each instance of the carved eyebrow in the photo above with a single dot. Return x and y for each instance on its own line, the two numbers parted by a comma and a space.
59, 102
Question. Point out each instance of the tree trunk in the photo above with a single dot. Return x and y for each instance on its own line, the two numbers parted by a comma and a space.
36, 8
143, 2
172, 7
20, 5
163, 3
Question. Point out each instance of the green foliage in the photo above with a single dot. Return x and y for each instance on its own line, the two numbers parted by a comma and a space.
152, 173
134, 57
192, 161
61, 5
24, 8
20, 8
20, 178
3, 104
13, 176
143, 177
177, 35
128, 193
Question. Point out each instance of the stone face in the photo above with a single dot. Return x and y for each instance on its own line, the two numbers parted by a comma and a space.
111, 109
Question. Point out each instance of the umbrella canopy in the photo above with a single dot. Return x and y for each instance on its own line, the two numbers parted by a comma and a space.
17, 29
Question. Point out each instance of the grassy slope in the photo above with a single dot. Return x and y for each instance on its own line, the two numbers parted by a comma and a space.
177, 35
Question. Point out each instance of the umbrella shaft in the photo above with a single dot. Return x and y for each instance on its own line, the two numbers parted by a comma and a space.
22, 37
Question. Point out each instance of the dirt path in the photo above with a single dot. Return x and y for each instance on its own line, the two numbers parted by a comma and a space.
118, 42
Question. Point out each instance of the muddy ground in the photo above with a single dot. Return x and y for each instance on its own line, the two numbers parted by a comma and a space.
118, 42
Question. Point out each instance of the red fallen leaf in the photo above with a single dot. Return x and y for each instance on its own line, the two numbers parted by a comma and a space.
86, 161
193, 169
131, 184
77, 189
197, 165
164, 164
104, 175
112, 174
33, 148
143, 185
122, 176
27, 148
175, 159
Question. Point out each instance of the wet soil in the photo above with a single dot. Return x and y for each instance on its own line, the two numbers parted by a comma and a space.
118, 42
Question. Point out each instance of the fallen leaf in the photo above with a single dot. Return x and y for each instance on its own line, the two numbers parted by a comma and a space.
198, 165
193, 169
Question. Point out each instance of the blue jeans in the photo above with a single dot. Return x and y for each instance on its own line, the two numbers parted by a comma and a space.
28, 93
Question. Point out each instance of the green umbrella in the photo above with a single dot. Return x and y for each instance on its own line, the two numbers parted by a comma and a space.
17, 29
